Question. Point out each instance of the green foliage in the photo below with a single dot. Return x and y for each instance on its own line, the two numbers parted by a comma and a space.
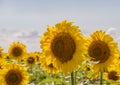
40, 77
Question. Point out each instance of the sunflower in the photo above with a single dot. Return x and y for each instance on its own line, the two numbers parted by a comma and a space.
112, 74
2, 63
1, 53
5, 55
30, 59
102, 50
14, 74
37, 54
64, 45
17, 50
88, 71
48, 66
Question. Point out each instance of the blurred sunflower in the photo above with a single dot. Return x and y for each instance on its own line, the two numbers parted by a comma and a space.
14, 74
5, 54
17, 51
88, 71
2, 63
1, 53
48, 66
37, 54
112, 74
64, 45
30, 59
102, 50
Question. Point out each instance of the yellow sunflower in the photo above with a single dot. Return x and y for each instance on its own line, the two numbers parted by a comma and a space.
1, 53
2, 63
5, 54
30, 59
112, 74
14, 74
64, 45
17, 51
48, 66
102, 50
88, 71
37, 54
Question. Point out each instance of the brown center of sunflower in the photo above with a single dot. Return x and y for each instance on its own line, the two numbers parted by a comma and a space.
99, 51
51, 65
30, 60
63, 47
16, 51
87, 68
113, 75
13, 77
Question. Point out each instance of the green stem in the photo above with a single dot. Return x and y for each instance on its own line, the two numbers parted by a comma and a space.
107, 83
31, 70
72, 78
63, 82
75, 77
101, 78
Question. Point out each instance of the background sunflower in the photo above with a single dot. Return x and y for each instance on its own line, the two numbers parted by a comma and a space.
30, 59
17, 50
102, 50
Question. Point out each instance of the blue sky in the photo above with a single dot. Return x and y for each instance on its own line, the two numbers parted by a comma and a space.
89, 15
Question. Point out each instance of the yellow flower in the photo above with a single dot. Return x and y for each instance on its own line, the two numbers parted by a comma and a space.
64, 45
48, 66
1, 53
17, 51
5, 55
2, 63
88, 71
112, 74
102, 50
14, 74
30, 59
37, 54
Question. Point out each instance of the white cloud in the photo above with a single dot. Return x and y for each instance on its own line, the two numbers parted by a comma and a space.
30, 34
115, 33
29, 38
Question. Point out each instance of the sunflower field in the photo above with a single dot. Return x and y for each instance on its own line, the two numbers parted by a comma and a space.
67, 57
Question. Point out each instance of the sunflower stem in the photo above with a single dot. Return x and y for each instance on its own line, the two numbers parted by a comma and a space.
101, 78
30, 69
63, 82
107, 83
75, 77
72, 79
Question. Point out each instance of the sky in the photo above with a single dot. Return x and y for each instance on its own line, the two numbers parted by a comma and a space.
26, 20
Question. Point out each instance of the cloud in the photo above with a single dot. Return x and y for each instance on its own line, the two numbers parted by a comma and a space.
114, 32
28, 34
29, 38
